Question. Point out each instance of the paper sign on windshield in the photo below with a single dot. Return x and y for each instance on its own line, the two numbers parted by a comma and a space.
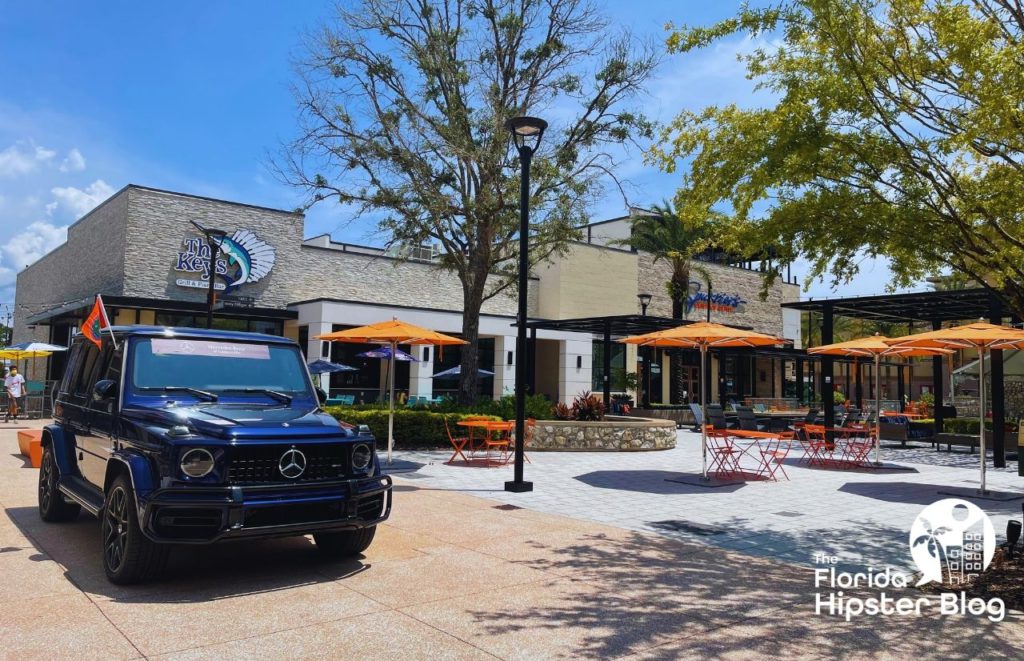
211, 349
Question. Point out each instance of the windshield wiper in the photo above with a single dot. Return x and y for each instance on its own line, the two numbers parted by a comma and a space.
204, 394
276, 394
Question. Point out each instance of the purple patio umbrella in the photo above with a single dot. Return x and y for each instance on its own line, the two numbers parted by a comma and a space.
384, 352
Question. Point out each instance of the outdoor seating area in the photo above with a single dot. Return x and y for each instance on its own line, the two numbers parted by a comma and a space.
483, 441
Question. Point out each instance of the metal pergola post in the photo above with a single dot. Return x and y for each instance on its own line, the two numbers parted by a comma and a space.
937, 385
827, 376
998, 398
607, 364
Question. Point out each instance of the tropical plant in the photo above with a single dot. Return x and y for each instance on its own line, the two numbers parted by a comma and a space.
587, 406
563, 412
663, 234
666, 236
402, 110
893, 129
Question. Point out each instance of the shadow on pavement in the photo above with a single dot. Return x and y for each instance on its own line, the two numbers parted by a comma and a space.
195, 573
649, 481
920, 494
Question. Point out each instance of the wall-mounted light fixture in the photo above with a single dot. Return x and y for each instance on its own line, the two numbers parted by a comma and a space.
426, 354
579, 362
510, 356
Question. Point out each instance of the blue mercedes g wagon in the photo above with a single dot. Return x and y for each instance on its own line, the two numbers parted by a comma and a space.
184, 436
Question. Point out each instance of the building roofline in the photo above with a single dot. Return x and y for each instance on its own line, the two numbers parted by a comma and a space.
324, 299
213, 199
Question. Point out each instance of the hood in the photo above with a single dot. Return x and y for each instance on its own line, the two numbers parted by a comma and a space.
242, 420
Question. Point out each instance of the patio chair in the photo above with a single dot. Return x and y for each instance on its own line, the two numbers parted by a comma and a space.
502, 442
35, 399
748, 421
724, 455
458, 443
716, 416
528, 433
772, 455
698, 416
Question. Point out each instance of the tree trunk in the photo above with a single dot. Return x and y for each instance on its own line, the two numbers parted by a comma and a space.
472, 300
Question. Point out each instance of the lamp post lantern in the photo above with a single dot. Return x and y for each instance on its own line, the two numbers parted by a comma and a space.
526, 134
214, 237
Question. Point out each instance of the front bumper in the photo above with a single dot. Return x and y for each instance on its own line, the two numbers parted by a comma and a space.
202, 515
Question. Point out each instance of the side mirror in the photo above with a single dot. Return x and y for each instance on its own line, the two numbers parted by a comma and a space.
321, 395
104, 390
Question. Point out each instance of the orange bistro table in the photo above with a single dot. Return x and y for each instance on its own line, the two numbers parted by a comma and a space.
495, 433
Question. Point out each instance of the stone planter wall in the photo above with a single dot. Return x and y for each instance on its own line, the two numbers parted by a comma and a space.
613, 434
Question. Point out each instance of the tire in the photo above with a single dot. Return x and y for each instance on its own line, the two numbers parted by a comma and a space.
52, 506
128, 555
345, 543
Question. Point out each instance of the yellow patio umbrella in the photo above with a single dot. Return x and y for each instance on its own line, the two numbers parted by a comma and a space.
875, 346
980, 336
391, 333
703, 335
23, 354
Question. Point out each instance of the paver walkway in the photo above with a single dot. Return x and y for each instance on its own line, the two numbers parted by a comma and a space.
450, 576
861, 516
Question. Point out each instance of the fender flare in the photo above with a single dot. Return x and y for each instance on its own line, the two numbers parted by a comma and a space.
140, 472
63, 449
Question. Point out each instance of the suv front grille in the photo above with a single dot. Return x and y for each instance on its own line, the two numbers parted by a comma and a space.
260, 464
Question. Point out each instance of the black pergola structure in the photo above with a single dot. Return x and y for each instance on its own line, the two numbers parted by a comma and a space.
605, 327
934, 308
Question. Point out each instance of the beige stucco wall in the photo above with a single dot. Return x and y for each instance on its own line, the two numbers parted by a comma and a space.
588, 281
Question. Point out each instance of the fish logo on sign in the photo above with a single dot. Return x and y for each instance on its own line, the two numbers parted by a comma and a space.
243, 258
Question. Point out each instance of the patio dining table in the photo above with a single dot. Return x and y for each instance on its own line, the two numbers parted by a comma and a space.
838, 447
494, 434
735, 450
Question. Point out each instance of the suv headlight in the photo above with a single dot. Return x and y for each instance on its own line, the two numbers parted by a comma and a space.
362, 455
197, 462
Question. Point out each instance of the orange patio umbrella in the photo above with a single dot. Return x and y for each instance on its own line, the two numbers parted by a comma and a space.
875, 346
703, 335
980, 336
391, 333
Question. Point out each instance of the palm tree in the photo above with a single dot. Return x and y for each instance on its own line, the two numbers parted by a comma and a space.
666, 236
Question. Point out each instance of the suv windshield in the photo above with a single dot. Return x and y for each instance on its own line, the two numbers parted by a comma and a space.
183, 365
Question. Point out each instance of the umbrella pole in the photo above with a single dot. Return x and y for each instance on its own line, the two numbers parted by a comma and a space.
981, 416
878, 410
704, 412
391, 400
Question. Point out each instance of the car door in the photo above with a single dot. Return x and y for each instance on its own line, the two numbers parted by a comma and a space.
78, 415
99, 443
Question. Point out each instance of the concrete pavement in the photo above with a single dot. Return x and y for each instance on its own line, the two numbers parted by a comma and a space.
451, 575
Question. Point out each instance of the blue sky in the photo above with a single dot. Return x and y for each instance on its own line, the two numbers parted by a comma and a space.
193, 96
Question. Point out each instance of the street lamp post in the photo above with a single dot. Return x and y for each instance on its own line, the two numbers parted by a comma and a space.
526, 134
645, 399
214, 237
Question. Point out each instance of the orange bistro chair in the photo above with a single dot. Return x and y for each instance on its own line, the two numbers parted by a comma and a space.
458, 443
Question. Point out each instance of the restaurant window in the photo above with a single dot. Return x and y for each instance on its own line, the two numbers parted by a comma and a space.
618, 365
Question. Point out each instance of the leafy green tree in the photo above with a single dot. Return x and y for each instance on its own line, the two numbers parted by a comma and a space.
402, 110
894, 130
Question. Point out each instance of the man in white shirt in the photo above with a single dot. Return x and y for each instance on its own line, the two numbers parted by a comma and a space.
15, 386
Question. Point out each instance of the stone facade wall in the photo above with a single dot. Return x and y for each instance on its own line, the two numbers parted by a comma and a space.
159, 224
763, 316
611, 435
328, 273
589, 281
90, 262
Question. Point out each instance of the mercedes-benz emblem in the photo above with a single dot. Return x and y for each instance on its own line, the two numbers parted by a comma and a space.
292, 463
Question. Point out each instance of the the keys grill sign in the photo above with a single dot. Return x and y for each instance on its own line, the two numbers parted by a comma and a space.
243, 258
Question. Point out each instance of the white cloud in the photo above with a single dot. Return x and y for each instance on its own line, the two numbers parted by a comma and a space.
27, 246
23, 158
73, 162
78, 201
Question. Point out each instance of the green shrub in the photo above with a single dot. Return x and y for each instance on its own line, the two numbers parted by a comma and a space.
838, 397
970, 426
413, 430
537, 406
